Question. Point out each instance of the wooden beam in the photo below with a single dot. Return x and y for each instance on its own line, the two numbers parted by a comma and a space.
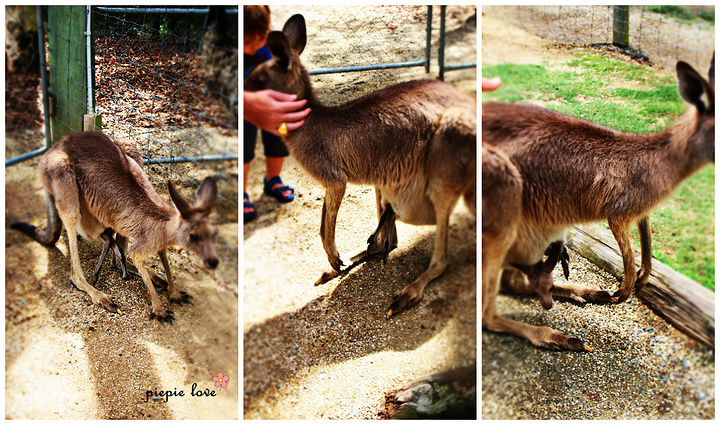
66, 46
687, 305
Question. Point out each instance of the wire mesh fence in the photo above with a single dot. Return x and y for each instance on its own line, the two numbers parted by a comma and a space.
162, 77
662, 38
23, 104
379, 38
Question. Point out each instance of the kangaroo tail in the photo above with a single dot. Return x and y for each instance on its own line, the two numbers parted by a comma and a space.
46, 237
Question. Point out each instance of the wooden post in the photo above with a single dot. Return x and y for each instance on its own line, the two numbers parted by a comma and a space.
621, 26
686, 304
68, 75
92, 122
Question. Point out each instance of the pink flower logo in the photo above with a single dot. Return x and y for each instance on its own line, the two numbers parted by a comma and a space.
221, 380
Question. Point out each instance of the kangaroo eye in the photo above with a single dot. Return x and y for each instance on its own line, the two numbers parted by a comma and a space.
194, 238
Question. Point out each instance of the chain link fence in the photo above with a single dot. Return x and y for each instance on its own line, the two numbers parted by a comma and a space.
391, 43
660, 35
23, 92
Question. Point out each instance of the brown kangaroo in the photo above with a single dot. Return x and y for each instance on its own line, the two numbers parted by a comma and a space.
92, 185
119, 242
502, 192
576, 171
415, 142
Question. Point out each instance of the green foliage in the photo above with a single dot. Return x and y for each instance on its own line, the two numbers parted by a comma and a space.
627, 97
681, 14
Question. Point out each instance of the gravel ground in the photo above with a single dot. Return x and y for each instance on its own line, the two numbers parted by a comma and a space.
67, 358
640, 367
327, 351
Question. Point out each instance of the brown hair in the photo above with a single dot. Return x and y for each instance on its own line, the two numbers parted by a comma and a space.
257, 20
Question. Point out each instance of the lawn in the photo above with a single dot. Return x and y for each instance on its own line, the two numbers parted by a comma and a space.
628, 97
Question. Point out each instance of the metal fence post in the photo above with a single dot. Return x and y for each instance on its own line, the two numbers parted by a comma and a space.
441, 49
44, 85
621, 26
428, 44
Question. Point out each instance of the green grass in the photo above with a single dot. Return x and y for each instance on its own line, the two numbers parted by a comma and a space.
627, 97
681, 14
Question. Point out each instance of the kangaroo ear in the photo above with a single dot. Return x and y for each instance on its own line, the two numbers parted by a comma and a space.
206, 194
553, 254
182, 204
296, 32
693, 87
279, 47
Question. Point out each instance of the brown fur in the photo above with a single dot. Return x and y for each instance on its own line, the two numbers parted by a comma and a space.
501, 215
92, 185
576, 171
414, 141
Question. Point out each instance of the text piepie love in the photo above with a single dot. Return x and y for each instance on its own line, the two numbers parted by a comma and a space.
158, 395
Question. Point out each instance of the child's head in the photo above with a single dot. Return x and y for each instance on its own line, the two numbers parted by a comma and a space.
257, 26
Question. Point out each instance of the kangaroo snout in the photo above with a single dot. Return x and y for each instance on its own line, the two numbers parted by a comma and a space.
211, 263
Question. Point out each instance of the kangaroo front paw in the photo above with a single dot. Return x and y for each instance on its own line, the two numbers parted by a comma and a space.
404, 300
162, 316
181, 297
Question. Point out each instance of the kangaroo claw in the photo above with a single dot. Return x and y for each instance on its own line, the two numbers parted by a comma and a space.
182, 298
166, 317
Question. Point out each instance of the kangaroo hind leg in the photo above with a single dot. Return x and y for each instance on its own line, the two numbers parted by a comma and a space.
67, 200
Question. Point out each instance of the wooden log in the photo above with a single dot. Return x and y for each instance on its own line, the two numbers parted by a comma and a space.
445, 395
687, 305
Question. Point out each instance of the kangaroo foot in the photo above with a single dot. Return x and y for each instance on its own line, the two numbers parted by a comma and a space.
559, 342
181, 297
387, 222
110, 306
162, 316
621, 295
403, 300
99, 298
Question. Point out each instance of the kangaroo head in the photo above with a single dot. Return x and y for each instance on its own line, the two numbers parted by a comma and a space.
197, 232
284, 72
540, 274
700, 93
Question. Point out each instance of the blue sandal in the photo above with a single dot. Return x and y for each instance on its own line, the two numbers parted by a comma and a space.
249, 212
277, 193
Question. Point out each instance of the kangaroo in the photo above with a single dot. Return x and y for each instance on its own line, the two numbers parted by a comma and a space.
415, 142
576, 171
91, 185
502, 192
119, 242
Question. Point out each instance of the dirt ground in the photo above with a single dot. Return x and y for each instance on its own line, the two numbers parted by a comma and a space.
67, 358
327, 351
640, 367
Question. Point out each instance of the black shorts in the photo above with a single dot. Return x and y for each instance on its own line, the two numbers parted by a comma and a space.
274, 146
